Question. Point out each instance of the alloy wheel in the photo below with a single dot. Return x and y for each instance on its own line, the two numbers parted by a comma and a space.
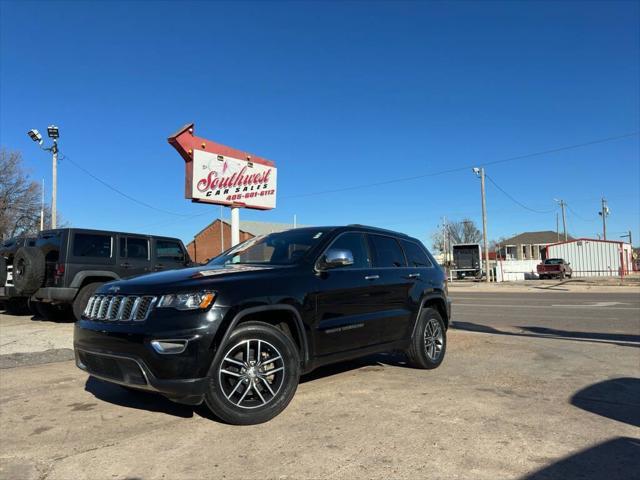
433, 339
251, 373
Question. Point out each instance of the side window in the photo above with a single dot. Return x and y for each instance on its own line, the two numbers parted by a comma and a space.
169, 249
416, 256
386, 252
137, 248
123, 247
92, 245
354, 242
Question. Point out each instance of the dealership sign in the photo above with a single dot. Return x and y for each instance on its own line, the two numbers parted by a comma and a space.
222, 175
227, 180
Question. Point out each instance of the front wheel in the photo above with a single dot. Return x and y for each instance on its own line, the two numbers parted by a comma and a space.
429, 341
256, 376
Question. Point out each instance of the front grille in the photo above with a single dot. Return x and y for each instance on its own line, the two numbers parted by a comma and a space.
116, 308
116, 368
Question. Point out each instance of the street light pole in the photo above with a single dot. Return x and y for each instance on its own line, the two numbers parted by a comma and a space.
53, 133
480, 172
54, 184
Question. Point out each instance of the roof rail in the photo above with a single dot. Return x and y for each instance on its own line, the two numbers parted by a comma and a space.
378, 229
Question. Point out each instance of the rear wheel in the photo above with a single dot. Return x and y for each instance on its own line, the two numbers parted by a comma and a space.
80, 302
256, 376
429, 341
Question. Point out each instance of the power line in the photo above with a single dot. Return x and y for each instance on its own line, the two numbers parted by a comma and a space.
119, 192
467, 167
517, 201
578, 216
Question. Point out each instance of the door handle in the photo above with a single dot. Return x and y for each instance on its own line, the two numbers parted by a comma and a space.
413, 275
125, 265
372, 277
158, 266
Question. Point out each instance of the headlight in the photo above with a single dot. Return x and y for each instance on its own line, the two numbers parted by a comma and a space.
187, 301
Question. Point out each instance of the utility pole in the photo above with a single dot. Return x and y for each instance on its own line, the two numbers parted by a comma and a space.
563, 204
604, 213
480, 172
557, 228
628, 235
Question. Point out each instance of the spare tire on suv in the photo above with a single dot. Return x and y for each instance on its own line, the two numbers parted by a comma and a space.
28, 270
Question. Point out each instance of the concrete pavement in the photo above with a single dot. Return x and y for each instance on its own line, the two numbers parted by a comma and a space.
507, 403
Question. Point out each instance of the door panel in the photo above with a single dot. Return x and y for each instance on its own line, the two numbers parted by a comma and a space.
392, 290
346, 311
134, 256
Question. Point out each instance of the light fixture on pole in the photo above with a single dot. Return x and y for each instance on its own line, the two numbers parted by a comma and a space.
53, 133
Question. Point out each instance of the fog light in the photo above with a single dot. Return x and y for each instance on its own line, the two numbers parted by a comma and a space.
169, 346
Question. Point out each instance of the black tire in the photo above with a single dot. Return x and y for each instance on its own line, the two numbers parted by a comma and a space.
53, 313
80, 302
251, 396
28, 270
420, 353
3, 271
561, 276
17, 306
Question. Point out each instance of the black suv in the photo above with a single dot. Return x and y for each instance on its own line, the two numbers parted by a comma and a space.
238, 332
65, 266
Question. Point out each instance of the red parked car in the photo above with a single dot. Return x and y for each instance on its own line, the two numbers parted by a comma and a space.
554, 267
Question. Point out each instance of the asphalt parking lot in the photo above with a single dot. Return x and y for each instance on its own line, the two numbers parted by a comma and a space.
535, 385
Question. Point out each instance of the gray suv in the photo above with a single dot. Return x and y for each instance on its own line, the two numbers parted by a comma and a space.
64, 267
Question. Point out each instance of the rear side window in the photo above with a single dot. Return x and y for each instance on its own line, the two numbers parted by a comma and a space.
355, 243
137, 248
386, 252
92, 245
169, 249
416, 256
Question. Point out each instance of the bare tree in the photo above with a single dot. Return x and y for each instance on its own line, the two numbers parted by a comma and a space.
464, 231
20, 198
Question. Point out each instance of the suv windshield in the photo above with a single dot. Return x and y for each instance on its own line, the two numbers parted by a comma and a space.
282, 248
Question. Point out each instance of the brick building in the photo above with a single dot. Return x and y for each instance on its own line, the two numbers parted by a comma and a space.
216, 237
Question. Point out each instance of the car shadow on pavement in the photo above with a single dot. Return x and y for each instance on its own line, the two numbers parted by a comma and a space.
616, 398
371, 361
615, 459
621, 340
112, 393
141, 400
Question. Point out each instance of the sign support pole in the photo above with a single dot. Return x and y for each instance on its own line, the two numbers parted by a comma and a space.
235, 226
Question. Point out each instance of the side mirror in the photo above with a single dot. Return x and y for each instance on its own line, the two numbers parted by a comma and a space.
336, 257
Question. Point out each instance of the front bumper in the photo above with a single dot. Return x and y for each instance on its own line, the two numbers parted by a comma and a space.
123, 354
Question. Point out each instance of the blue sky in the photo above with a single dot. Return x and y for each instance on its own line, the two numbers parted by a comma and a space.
338, 95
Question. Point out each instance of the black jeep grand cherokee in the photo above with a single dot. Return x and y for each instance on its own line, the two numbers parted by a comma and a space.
238, 332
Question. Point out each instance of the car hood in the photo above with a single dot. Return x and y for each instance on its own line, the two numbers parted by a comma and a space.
186, 279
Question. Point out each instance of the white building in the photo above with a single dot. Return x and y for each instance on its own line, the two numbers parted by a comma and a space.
594, 258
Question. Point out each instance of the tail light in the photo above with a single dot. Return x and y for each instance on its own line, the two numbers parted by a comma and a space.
59, 270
